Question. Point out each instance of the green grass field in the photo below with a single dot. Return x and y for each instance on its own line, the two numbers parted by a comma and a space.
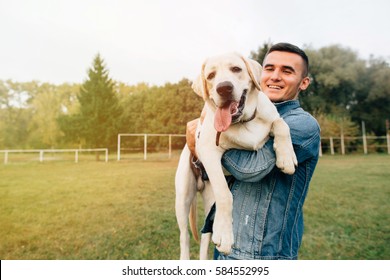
125, 210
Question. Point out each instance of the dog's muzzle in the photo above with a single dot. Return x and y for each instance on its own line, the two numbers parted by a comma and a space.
240, 109
229, 114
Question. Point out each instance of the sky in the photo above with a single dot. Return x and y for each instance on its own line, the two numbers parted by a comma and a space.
156, 42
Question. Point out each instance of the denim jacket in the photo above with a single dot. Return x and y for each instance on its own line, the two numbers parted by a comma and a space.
267, 204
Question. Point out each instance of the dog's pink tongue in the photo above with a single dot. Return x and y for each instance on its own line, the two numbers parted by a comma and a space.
223, 116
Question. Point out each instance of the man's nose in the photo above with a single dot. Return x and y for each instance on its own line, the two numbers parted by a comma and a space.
275, 75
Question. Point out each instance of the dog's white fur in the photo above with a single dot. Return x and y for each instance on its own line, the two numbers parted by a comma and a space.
244, 75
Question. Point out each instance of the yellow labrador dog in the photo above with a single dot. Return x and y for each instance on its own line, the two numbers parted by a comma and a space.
237, 115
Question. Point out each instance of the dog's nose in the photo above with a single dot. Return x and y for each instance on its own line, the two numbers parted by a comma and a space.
225, 88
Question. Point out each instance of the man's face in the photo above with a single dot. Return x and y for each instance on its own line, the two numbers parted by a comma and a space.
282, 77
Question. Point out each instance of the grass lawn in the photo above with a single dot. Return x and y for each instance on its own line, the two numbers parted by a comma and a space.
125, 210
347, 211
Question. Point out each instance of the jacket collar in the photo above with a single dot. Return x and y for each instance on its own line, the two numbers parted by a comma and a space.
285, 106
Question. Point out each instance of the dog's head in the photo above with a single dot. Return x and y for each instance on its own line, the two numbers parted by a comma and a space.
230, 85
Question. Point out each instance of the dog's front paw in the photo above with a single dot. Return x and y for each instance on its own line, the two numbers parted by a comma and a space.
223, 234
286, 159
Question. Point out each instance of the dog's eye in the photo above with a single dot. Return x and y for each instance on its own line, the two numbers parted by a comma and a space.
236, 69
211, 76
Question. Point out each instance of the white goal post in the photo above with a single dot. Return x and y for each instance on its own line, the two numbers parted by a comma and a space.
145, 145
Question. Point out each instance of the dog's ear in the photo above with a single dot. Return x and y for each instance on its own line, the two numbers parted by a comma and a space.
254, 70
199, 85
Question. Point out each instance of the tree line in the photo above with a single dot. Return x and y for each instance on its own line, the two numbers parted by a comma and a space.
345, 90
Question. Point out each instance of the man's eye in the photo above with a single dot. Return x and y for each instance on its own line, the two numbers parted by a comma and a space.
236, 69
211, 76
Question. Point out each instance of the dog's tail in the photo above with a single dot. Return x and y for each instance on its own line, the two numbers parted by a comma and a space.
193, 219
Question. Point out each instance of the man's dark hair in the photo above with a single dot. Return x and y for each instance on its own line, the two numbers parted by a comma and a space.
287, 47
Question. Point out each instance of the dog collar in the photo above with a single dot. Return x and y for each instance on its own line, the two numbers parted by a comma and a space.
251, 118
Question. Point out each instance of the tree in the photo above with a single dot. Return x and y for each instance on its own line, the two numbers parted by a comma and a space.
261, 52
164, 109
373, 100
14, 115
336, 74
43, 126
98, 120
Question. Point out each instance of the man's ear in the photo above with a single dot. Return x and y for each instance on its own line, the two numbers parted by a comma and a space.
254, 70
304, 83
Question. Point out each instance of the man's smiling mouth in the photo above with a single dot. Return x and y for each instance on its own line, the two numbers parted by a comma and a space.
274, 87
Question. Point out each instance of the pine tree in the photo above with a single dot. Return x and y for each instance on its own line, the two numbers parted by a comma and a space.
97, 122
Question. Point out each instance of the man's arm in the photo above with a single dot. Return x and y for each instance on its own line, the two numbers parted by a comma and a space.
250, 166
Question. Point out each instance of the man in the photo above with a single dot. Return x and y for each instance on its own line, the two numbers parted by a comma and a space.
267, 204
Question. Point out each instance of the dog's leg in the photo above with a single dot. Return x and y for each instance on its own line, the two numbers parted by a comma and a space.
208, 201
185, 193
204, 246
223, 223
285, 155
286, 159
